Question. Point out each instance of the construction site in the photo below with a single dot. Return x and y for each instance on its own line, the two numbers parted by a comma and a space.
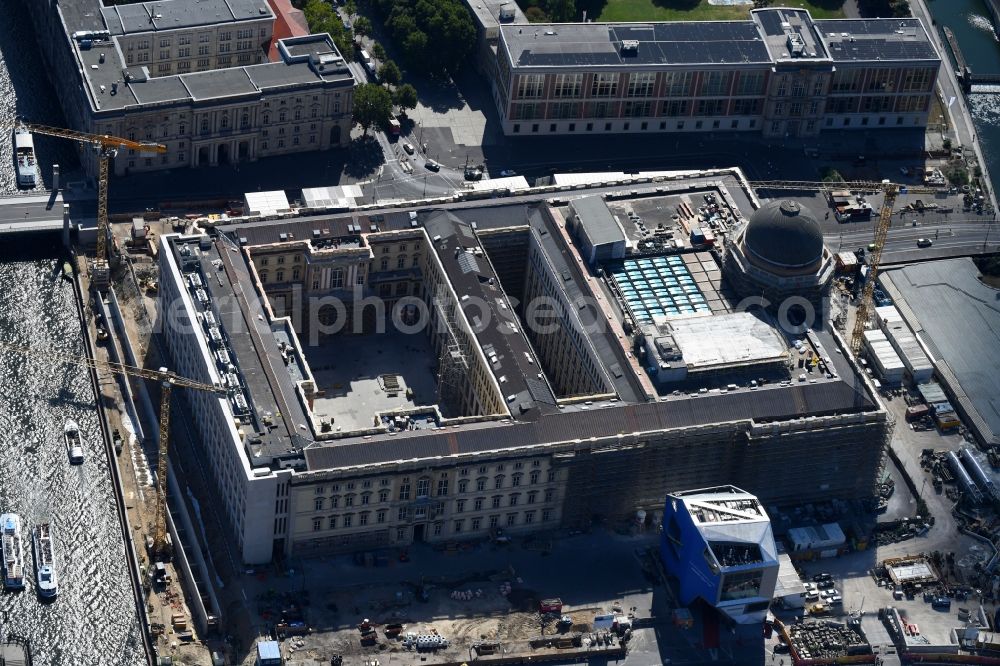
611, 416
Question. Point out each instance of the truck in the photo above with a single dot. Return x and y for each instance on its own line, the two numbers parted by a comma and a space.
395, 128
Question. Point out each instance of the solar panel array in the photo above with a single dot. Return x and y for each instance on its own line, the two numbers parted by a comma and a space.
877, 39
713, 42
659, 286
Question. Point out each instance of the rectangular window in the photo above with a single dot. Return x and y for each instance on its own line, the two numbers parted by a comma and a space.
567, 85
458, 526
530, 86
380, 516
529, 517
348, 520
674, 108
511, 519
750, 83
677, 84
546, 515
333, 522
317, 524
604, 85
476, 522
437, 529
403, 513
715, 83
459, 506
478, 504
494, 521
640, 84
442, 483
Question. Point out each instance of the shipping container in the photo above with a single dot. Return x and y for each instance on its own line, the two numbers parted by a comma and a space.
916, 412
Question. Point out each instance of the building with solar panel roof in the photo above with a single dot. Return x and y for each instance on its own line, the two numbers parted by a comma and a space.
465, 371
780, 73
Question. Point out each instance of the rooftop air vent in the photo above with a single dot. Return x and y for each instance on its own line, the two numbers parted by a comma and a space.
630, 46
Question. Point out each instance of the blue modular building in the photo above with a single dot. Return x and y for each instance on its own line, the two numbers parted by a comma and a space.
718, 543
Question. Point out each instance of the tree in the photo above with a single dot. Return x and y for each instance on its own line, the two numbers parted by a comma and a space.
405, 97
321, 18
378, 51
389, 73
362, 25
372, 106
435, 36
351, 8
562, 11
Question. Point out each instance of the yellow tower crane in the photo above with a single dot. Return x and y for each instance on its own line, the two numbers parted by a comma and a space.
108, 146
866, 307
168, 380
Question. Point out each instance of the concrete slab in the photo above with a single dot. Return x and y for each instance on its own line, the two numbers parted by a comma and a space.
351, 371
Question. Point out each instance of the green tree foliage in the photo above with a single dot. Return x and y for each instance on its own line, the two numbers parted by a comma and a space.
372, 106
363, 25
389, 73
436, 36
379, 52
405, 97
562, 11
884, 8
321, 18
545, 11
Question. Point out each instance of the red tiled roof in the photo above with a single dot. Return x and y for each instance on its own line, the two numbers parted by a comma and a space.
289, 22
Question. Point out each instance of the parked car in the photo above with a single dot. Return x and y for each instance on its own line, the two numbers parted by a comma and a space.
820, 577
825, 584
836, 600
408, 147
507, 173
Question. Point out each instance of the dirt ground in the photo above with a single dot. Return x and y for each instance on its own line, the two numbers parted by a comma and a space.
490, 615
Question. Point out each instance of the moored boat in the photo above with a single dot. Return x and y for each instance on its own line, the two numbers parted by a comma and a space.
45, 572
24, 157
13, 551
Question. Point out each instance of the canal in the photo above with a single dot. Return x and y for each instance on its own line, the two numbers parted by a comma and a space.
970, 21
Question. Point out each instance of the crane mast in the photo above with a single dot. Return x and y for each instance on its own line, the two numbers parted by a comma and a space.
107, 147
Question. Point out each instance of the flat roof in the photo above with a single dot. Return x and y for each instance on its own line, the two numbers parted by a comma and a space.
104, 71
877, 39
772, 403
597, 221
487, 12
180, 14
771, 36
958, 318
600, 44
726, 340
251, 344
790, 34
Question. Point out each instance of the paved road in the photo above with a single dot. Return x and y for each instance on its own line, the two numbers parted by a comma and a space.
949, 239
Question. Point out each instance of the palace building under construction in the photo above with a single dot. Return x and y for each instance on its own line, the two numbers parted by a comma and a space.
451, 373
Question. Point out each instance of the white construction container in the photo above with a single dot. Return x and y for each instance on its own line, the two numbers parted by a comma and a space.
887, 363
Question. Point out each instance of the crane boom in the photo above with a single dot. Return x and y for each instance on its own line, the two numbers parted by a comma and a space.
108, 146
102, 140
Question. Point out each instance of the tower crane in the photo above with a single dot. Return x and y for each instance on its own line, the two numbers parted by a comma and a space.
168, 380
107, 146
890, 191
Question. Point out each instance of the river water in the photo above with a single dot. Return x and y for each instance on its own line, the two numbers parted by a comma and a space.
970, 21
94, 620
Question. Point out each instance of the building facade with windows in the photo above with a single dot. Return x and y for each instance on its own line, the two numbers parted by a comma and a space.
193, 75
347, 426
780, 73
